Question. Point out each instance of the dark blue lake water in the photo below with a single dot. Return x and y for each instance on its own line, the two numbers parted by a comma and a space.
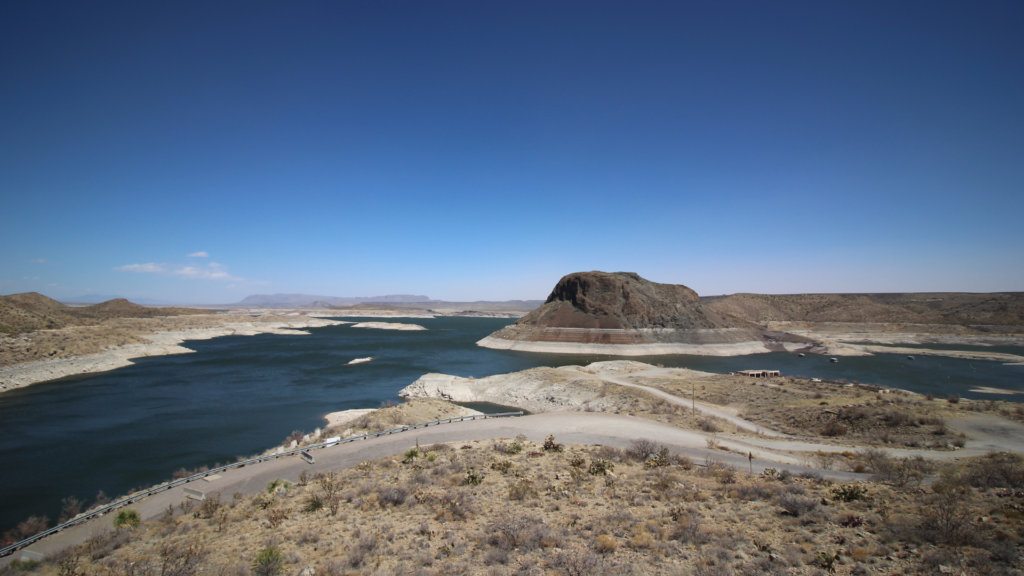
239, 395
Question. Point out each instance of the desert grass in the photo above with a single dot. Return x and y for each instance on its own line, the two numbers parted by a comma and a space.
835, 412
484, 508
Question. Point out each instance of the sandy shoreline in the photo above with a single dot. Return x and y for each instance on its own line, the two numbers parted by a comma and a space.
160, 344
388, 326
737, 349
1010, 359
347, 418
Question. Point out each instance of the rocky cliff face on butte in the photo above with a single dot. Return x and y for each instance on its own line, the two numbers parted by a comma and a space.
622, 313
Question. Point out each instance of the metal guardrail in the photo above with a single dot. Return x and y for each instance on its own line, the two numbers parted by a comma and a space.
164, 487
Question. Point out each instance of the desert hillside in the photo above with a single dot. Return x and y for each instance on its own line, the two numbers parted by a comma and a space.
32, 311
960, 308
513, 506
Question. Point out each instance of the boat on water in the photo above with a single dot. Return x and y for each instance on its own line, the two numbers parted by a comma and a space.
833, 359
801, 354
910, 357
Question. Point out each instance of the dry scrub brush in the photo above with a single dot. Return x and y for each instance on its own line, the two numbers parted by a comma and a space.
584, 510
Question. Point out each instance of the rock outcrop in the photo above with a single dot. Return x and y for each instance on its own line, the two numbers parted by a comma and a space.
623, 314
568, 388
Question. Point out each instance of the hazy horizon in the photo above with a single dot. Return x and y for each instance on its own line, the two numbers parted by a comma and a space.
198, 153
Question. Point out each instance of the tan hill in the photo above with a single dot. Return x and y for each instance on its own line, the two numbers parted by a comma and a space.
14, 318
1001, 308
622, 313
33, 311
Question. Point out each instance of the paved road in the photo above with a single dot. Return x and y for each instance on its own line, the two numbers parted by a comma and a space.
989, 432
568, 427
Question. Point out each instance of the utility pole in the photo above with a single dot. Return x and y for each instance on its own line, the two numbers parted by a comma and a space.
693, 397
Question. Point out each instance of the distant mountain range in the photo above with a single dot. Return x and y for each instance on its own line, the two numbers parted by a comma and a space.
299, 300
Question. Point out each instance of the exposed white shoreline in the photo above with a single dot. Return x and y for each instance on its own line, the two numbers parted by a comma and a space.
988, 390
346, 416
735, 349
388, 326
1008, 359
161, 344
337, 419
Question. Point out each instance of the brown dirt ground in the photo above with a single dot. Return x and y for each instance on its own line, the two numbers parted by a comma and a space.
832, 411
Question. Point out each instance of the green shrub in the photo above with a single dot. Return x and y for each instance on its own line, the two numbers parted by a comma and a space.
551, 446
268, 562
600, 467
503, 466
24, 565
127, 519
849, 492
274, 485
412, 454
474, 478
659, 460
314, 503
828, 561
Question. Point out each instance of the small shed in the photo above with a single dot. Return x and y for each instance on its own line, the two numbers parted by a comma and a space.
759, 373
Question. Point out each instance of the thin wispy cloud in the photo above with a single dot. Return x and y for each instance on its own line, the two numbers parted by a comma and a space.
150, 267
198, 255
37, 260
31, 278
211, 271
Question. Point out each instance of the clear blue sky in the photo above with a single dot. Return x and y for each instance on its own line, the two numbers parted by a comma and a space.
481, 150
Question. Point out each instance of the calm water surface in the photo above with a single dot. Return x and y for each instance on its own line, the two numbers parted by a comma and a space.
239, 395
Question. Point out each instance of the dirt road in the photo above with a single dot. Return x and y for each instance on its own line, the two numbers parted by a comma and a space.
568, 427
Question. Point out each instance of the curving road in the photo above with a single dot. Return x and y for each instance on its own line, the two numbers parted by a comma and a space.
568, 427
587, 428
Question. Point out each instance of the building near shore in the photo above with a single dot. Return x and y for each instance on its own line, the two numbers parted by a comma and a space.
759, 373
